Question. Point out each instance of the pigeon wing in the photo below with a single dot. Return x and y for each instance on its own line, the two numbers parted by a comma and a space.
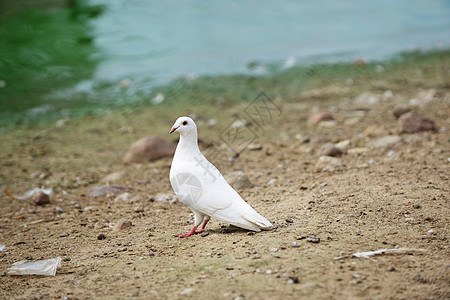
202, 187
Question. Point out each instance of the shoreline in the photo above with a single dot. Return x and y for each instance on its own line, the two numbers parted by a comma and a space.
287, 84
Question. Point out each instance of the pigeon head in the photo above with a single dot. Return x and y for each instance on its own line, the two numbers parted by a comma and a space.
184, 125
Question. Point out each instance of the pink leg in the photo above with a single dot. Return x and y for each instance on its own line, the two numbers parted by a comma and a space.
203, 227
189, 233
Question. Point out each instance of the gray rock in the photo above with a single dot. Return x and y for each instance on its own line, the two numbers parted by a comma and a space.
122, 224
148, 149
113, 177
412, 122
40, 198
344, 145
375, 131
238, 180
330, 149
401, 110
385, 141
327, 163
318, 117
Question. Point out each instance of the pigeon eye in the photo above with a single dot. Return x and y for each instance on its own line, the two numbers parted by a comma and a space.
185, 123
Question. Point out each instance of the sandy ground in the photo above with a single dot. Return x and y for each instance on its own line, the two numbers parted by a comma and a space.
386, 197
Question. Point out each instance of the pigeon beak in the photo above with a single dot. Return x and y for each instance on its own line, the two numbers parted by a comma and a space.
173, 129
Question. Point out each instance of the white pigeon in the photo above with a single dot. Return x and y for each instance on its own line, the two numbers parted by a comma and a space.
198, 184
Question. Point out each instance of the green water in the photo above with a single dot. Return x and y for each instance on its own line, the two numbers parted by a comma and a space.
44, 51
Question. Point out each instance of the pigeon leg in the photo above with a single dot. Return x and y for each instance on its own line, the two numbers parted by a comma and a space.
202, 229
189, 233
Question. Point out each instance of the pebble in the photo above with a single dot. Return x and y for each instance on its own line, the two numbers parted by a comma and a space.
385, 142
187, 291
113, 177
375, 131
101, 236
295, 244
139, 209
122, 224
357, 150
390, 153
412, 122
401, 110
123, 197
254, 147
330, 149
271, 181
432, 231
147, 149
313, 239
59, 210
40, 198
327, 163
238, 180
268, 271
293, 280
318, 117
343, 146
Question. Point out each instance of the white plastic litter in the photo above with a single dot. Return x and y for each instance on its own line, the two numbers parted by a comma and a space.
30, 193
41, 267
386, 251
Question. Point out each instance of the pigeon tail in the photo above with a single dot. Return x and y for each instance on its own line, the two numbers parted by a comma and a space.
258, 220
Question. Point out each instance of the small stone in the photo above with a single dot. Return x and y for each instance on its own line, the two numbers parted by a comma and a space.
313, 239
327, 124
401, 110
295, 244
417, 206
358, 150
113, 177
390, 153
368, 98
40, 198
330, 150
205, 233
327, 163
268, 272
293, 280
254, 147
289, 221
432, 231
319, 140
375, 131
62, 122
412, 122
59, 210
101, 236
318, 117
122, 224
41, 174
238, 180
343, 146
272, 181
139, 209
148, 149
385, 142
352, 121
187, 291
123, 197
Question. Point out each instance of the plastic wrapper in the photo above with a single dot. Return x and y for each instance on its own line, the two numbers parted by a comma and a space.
41, 267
